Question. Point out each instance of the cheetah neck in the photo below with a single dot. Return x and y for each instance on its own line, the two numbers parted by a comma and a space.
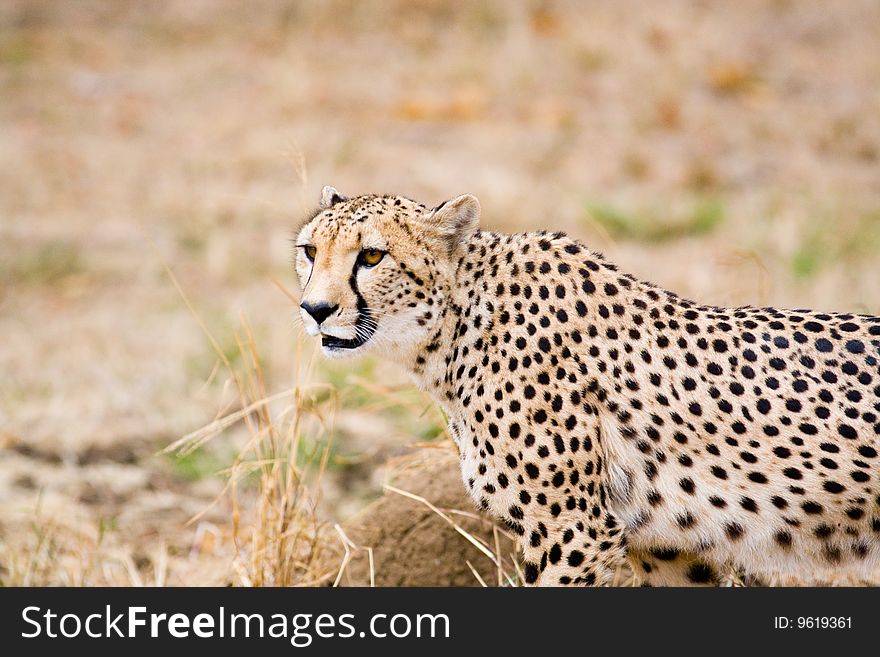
467, 339
465, 302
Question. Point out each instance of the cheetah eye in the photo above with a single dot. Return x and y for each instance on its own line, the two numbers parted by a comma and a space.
311, 252
371, 257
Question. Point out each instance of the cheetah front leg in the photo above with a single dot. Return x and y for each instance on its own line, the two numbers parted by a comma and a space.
577, 550
668, 567
599, 562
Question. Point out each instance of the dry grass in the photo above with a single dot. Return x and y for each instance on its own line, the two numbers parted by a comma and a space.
276, 536
58, 553
283, 543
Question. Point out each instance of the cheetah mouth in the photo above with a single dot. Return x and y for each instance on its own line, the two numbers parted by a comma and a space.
364, 328
341, 344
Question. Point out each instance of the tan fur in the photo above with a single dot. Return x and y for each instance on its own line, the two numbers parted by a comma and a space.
603, 418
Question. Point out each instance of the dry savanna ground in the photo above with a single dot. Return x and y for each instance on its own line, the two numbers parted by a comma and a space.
155, 157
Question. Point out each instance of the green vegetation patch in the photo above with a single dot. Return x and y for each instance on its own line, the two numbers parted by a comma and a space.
828, 238
50, 263
702, 217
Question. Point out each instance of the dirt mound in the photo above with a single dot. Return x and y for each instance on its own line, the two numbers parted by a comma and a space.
414, 545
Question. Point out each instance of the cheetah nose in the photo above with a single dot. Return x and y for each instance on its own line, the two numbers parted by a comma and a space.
319, 311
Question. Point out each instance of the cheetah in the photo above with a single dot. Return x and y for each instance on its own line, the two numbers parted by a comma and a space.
604, 419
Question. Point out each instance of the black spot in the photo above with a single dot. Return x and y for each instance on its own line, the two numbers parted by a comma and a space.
847, 431
824, 345
665, 554
855, 346
531, 573
575, 558
855, 513
823, 531
832, 554
717, 502
779, 502
685, 520
833, 487
700, 573
793, 473
734, 530
783, 538
812, 508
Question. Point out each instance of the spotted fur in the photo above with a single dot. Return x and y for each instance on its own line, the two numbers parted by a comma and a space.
603, 418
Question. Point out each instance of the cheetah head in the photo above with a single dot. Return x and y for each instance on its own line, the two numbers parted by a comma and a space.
376, 271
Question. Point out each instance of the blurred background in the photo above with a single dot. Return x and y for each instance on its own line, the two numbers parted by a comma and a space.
728, 151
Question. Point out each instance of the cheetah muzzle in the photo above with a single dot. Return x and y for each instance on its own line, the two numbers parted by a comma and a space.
604, 419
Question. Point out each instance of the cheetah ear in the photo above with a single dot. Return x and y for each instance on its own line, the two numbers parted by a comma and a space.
330, 197
456, 219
